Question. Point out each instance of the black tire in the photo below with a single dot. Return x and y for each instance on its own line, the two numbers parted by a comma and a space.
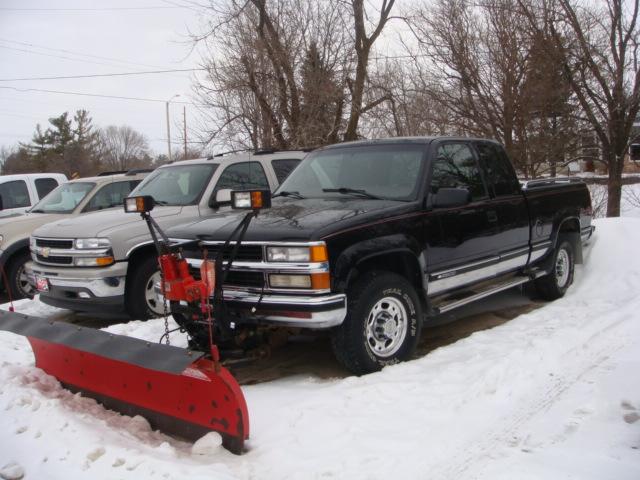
555, 284
137, 303
362, 343
18, 284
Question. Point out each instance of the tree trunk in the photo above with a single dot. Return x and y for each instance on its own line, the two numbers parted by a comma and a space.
614, 186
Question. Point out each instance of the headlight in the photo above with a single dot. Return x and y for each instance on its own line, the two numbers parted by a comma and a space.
32, 243
315, 281
90, 243
313, 253
1, 239
93, 261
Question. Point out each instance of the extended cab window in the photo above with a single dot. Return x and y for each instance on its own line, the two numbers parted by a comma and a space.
243, 176
111, 195
283, 167
456, 167
500, 173
44, 186
177, 184
15, 194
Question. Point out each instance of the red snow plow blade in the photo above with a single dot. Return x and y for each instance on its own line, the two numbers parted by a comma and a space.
176, 390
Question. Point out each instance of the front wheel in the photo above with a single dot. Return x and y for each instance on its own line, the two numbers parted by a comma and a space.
555, 284
382, 326
142, 300
17, 277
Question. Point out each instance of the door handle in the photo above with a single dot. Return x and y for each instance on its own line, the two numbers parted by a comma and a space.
492, 216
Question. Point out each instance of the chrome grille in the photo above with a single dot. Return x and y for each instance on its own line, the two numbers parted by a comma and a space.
54, 260
54, 243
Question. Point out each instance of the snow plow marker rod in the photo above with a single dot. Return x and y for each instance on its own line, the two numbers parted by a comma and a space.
176, 390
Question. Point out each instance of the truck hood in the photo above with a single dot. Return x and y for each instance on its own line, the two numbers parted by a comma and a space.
295, 220
100, 224
21, 226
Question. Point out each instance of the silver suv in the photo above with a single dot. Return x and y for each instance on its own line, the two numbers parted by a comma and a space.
106, 262
68, 200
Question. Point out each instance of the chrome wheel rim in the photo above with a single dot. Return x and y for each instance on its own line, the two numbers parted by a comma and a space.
23, 283
154, 299
386, 327
562, 268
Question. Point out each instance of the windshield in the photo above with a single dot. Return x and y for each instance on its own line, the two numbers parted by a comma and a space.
384, 171
64, 199
177, 185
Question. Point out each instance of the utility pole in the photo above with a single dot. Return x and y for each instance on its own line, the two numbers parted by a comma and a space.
169, 126
184, 121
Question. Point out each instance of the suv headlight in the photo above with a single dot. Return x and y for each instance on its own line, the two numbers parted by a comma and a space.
94, 261
1, 239
32, 243
91, 243
312, 253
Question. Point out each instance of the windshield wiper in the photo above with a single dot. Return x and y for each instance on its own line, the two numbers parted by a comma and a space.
355, 191
37, 210
289, 194
161, 202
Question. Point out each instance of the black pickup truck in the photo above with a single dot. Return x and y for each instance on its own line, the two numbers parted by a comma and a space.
373, 239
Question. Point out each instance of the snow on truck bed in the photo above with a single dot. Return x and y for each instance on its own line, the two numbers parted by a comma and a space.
551, 394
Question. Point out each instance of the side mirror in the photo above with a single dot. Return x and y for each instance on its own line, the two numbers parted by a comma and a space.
1, 207
250, 199
222, 196
451, 197
143, 204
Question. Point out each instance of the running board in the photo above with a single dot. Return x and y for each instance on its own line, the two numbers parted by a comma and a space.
486, 293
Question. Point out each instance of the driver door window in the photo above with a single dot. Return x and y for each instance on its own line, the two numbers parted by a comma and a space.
111, 195
456, 167
243, 176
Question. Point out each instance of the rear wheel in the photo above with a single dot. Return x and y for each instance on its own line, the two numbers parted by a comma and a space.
382, 326
142, 300
555, 284
17, 277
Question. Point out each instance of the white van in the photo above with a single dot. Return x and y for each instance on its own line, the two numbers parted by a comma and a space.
19, 192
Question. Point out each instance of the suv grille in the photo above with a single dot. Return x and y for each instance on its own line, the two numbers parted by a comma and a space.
55, 260
52, 243
246, 253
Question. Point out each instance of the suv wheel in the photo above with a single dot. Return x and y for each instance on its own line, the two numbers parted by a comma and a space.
382, 326
17, 277
142, 301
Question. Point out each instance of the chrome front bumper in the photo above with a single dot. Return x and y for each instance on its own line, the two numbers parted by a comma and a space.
86, 282
314, 312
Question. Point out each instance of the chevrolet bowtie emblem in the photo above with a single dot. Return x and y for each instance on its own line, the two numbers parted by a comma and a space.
45, 252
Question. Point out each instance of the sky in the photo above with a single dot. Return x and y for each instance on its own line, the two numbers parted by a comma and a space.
41, 38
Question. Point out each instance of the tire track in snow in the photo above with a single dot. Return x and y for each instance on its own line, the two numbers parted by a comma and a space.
475, 452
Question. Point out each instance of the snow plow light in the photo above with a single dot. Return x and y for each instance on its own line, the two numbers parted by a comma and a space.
251, 199
141, 204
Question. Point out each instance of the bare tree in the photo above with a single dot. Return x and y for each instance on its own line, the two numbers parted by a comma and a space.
123, 148
363, 43
597, 47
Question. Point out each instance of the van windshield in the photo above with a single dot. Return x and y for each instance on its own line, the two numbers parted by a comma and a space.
371, 171
64, 199
176, 185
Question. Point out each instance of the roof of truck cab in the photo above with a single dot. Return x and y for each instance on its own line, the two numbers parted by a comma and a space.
24, 176
403, 140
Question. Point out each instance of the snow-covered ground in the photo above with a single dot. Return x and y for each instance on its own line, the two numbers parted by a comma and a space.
552, 394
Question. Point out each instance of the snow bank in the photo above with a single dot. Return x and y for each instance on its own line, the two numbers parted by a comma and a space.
551, 394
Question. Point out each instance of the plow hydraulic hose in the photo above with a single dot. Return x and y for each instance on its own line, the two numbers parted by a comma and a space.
178, 391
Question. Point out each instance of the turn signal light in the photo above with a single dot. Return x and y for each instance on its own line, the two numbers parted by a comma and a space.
318, 253
320, 281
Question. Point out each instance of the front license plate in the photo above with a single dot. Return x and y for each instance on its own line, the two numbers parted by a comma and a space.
42, 284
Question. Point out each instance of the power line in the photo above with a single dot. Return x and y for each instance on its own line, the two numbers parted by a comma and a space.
80, 54
148, 72
55, 56
82, 94
99, 9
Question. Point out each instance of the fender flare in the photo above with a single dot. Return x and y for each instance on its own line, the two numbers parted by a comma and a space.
365, 251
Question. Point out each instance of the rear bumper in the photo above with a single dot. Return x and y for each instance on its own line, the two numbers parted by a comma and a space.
93, 290
314, 312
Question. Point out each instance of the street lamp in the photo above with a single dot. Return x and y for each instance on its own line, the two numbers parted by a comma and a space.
168, 126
